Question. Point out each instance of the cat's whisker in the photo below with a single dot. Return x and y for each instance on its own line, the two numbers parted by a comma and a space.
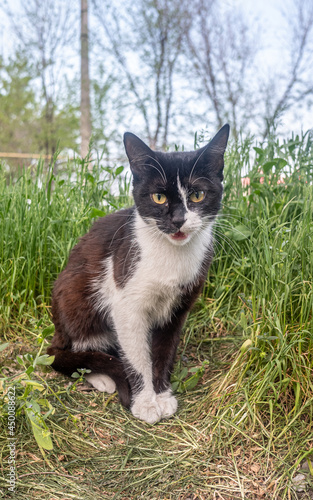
195, 164
134, 259
227, 241
202, 177
150, 229
140, 162
236, 217
219, 245
123, 225
163, 172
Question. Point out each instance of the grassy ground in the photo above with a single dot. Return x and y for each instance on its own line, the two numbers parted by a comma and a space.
244, 368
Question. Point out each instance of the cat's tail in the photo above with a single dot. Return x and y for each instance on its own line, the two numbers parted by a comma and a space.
67, 362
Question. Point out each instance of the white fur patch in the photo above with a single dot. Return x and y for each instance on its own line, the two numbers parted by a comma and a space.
101, 382
167, 403
193, 222
99, 343
147, 299
182, 191
151, 407
146, 407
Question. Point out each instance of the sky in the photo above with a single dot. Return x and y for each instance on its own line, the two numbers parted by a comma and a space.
270, 16
265, 15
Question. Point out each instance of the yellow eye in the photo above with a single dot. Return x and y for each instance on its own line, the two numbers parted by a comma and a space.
159, 198
196, 196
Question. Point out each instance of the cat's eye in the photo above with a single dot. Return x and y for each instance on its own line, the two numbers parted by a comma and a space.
196, 196
159, 198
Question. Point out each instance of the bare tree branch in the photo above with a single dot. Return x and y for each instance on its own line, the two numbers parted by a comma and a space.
297, 86
222, 51
149, 58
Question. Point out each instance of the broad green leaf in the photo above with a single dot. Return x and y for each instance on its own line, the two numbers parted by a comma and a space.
29, 370
95, 212
19, 360
175, 385
90, 178
183, 373
42, 436
45, 359
39, 428
239, 233
34, 384
195, 369
192, 382
119, 170
281, 162
266, 167
259, 150
47, 331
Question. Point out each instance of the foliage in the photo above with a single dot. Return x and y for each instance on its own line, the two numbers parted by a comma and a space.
244, 370
41, 217
24, 127
262, 285
29, 393
18, 107
45, 32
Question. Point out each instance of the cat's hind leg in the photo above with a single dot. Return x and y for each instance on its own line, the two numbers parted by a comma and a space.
107, 371
101, 382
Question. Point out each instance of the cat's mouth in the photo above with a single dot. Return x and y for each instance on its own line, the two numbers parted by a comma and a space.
179, 236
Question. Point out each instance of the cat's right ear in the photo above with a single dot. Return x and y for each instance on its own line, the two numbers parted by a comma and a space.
137, 151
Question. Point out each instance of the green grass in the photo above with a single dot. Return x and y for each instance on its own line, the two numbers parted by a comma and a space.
42, 218
244, 368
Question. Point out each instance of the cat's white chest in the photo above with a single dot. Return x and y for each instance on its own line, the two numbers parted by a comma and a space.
162, 270
155, 285
167, 264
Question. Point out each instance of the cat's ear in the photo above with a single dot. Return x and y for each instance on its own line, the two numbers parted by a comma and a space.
212, 155
137, 151
219, 142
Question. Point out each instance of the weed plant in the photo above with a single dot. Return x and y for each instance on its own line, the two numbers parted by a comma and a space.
42, 217
244, 369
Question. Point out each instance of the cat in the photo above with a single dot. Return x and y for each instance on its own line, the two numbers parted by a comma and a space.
120, 303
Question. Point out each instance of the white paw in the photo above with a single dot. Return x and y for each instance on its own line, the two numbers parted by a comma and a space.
101, 382
145, 407
167, 403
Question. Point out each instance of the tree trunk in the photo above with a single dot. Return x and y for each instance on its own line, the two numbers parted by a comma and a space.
85, 120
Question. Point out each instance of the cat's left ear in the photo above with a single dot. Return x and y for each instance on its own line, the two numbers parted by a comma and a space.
212, 155
219, 142
137, 151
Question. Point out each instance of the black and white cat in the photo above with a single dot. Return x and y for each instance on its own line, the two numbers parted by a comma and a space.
120, 303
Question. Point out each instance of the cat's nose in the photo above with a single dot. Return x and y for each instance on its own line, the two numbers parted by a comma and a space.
178, 220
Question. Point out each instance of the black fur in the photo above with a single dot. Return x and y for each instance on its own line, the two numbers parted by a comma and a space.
75, 314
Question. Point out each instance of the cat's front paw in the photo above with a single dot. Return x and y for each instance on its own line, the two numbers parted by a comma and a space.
145, 407
167, 403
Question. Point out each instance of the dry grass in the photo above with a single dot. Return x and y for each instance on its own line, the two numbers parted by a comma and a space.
245, 430
208, 450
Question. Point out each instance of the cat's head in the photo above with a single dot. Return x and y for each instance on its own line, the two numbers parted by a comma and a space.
179, 193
